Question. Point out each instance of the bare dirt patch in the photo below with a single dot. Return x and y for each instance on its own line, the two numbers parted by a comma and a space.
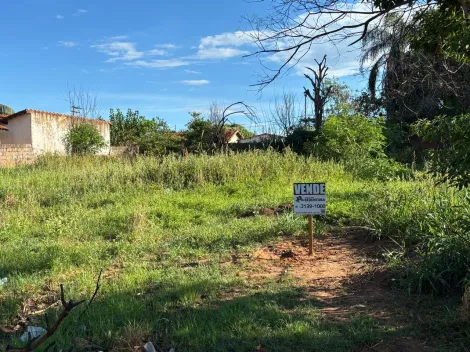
346, 274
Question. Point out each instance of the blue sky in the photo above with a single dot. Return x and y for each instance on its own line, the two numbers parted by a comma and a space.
164, 58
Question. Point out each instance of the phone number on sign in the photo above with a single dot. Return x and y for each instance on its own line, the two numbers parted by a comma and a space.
310, 206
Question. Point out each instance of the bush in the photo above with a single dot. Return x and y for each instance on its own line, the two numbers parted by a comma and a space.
301, 140
433, 229
83, 138
347, 137
450, 158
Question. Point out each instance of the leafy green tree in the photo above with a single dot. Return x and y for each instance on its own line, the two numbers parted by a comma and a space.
200, 133
83, 138
135, 131
449, 143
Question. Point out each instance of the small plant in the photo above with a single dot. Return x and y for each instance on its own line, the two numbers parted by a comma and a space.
83, 138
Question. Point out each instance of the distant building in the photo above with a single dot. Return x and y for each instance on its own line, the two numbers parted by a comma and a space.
44, 131
260, 138
232, 136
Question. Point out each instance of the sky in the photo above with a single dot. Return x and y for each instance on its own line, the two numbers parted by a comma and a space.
163, 58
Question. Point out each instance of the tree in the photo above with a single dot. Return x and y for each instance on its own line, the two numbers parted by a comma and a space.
449, 144
368, 105
83, 138
321, 91
140, 134
286, 116
219, 117
292, 27
82, 102
199, 134
417, 81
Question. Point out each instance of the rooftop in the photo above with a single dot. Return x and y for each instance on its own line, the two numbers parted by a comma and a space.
29, 111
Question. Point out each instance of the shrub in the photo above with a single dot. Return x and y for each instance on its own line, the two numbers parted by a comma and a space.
83, 138
347, 137
433, 229
301, 140
450, 160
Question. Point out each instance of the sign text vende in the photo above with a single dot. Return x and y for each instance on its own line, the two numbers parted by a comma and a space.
310, 198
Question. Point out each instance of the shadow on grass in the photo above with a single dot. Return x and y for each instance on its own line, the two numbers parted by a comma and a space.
285, 320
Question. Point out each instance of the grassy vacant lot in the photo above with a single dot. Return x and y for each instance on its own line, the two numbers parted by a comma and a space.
181, 255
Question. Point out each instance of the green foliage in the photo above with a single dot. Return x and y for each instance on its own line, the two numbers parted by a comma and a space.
444, 31
242, 129
340, 101
6, 110
83, 138
149, 136
200, 133
450, 158
301, 139
369, 106
433, 228
358, 142
165, 230
346, 137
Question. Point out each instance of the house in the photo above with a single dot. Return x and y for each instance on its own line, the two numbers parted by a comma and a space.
232, 136
260, 138
43, 131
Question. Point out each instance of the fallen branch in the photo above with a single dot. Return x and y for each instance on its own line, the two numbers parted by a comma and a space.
68, 307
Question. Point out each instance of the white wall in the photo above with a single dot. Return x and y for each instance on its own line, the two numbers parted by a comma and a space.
49, 130
19, 131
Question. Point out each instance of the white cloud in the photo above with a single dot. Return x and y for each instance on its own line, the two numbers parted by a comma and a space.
192, 72
67, 44
166, 46
59, 17
199, 82
158, 63
224, 46
117, 38
125, 51
219, 53
84, 71
236, 39
156, 52
80, 12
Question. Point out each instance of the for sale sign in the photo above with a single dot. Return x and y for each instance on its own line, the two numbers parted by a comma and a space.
310, 198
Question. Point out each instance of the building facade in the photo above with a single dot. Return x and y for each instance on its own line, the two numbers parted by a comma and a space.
45, 131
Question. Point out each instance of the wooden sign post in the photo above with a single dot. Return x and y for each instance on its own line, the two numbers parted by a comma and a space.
310, 199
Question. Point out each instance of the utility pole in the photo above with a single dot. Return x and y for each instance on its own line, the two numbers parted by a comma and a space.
75, 110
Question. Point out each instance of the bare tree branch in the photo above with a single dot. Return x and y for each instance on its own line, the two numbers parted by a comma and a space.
289, 30
68, 306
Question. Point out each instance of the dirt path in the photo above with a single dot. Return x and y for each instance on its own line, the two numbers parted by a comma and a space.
346, 274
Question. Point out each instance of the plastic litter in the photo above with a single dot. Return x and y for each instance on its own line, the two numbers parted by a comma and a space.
32, 332
148, 347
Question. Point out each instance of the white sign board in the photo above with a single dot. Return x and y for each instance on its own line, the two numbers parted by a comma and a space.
310, 198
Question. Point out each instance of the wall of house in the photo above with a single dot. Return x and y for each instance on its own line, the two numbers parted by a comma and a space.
16, 154
49, 131
19, 131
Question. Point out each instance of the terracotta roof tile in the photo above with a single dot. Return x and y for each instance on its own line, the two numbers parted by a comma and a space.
3, 128
229, 134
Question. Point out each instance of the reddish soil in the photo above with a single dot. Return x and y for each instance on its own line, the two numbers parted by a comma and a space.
346, 274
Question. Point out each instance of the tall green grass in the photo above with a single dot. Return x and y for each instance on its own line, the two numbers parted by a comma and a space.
146, 221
